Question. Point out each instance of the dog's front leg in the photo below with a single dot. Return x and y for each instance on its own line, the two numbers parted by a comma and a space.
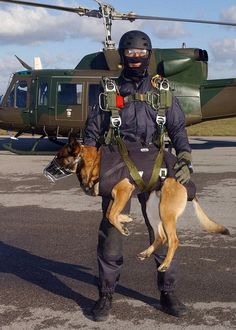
121, 193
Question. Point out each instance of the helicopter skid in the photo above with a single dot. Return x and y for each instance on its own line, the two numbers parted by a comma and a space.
32, 146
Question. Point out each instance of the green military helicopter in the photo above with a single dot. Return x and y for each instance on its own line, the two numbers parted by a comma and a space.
54, 103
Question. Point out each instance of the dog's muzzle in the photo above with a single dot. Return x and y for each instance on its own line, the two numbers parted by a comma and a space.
54, 171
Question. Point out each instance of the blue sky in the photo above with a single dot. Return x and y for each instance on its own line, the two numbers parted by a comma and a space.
61, 39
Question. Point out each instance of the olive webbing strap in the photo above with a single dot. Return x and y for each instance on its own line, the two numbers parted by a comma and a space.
129, 163
156, 166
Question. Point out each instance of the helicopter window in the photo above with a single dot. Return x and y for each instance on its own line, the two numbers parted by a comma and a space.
18, 95
94, 91
21, 93
69, 94
43, 94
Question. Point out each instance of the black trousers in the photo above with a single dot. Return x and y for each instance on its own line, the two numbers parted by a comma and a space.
110, 257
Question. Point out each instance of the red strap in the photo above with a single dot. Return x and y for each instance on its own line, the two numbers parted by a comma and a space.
119, 101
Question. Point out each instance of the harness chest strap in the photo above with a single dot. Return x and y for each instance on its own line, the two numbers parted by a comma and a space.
162, 99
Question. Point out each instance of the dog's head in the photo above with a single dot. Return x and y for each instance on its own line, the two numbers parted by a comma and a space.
70, 156
82, 160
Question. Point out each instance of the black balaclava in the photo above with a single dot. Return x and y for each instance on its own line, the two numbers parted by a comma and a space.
135, 39
135, 72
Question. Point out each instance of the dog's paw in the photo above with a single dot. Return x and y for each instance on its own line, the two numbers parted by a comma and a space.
125, 231
162, 268
142, 255
124, 218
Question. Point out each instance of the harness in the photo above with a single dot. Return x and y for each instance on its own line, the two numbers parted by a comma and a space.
160, 100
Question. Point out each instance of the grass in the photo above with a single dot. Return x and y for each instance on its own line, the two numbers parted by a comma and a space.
223, 127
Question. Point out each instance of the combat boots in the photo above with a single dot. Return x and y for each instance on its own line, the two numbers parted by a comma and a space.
170, 304
102, 308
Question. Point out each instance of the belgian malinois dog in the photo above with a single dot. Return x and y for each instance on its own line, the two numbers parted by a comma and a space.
171, 202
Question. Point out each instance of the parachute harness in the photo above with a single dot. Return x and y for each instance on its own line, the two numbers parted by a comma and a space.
160, 100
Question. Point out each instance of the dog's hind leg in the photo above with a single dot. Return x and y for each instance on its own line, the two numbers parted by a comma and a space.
160, 239
121, 193
172, 204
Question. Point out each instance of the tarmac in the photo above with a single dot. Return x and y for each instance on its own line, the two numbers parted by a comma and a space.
48, 238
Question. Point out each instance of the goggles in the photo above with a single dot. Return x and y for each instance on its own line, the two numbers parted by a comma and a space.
135, 52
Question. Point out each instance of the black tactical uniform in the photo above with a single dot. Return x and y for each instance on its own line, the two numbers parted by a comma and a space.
138, 124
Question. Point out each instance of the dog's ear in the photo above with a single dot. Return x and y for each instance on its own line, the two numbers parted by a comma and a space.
72, 139
73, 144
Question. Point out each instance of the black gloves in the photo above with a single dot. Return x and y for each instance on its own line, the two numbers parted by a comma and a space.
183, 167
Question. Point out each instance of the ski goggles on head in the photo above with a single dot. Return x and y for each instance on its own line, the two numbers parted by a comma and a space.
136, 52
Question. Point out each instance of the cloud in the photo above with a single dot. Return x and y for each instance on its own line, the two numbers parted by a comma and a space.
223, 58
224, 49
7, 67
229, 14
22, 26
27, 26
169, 30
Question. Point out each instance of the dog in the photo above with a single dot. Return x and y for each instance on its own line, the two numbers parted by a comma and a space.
172, 199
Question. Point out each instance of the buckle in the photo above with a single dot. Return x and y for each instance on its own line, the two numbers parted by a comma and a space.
102, 102
163, 173
161, 120
164, 84
153, 99
116, 121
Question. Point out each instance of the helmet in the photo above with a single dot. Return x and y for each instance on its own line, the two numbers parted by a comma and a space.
135, 39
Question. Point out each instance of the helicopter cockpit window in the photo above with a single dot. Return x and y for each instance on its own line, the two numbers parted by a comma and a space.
18, 95
69, 94
43, 94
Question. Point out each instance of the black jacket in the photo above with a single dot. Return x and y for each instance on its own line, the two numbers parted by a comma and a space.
138, 119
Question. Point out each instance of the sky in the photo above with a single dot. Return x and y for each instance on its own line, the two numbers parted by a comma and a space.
61, 39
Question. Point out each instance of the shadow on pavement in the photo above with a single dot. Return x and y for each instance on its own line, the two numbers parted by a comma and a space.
41, 272
30, 144
210, 144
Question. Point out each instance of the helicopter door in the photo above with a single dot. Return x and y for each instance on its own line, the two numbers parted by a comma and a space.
68, 101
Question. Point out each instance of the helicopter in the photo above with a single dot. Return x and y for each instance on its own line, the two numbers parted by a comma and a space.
55, 102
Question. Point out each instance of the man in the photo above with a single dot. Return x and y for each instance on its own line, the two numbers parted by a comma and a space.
138, 123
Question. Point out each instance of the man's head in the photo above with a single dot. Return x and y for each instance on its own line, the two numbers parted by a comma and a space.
135, 49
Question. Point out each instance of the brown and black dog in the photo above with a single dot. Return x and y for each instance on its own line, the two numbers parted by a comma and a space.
171, 202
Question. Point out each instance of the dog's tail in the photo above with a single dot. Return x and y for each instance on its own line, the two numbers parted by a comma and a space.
208, 224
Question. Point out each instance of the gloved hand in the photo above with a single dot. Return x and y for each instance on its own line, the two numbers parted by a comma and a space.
183, 167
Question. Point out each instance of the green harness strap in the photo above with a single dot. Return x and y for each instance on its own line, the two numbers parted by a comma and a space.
129, 163
156, 167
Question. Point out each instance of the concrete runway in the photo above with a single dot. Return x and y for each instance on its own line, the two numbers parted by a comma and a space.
48, 237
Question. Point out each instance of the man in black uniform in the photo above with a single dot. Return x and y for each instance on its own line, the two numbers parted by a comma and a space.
138, 124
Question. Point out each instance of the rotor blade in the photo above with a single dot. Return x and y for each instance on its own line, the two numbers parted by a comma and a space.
133, 17
116, 15
79, 10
